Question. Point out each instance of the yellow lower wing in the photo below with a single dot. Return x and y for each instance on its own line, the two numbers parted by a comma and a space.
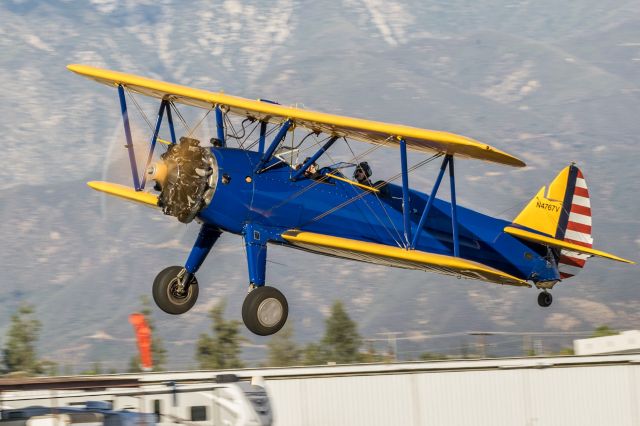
398, 257
548, 241
125, 192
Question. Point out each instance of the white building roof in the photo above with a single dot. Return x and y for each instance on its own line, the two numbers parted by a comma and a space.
625, 342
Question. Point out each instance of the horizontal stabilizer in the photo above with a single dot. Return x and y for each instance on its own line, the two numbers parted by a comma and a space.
125, 192
560, 244
382, 254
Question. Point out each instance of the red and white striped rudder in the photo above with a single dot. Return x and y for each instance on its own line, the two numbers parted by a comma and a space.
575, 223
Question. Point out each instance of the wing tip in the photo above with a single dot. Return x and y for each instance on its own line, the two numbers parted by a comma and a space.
124, 192
75, 68
94, 184
506, 158
518, 162
623, 260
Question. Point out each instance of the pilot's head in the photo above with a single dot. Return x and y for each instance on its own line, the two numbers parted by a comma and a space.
313, 168
362, 172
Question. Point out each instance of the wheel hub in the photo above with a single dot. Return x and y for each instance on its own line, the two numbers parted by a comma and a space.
176, 290
270, 312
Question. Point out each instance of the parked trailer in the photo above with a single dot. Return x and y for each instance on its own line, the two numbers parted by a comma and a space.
219, 400
92, 413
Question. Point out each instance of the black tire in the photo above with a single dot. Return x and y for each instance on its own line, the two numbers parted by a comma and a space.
545, 299
164, 292
265, 311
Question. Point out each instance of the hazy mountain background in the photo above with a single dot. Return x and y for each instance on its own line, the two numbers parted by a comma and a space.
549, 82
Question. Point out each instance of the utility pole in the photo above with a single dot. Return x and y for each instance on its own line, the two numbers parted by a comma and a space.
481, 343
538, 346
527, 347
392, 341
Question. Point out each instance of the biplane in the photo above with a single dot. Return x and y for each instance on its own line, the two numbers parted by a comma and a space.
269, 193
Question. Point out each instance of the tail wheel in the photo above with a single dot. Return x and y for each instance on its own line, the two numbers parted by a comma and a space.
265, 310
545, 299
169, 291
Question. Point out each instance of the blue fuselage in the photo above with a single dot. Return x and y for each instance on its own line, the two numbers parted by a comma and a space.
276, 203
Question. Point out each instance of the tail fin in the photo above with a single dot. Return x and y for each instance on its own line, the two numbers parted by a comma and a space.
564, 213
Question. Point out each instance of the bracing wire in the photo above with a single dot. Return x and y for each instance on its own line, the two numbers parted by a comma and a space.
140, 110
180, 117
251, 132
281, 161
268, 133
384, 209
378, 186
243, 138
320, 181
356, 158
195, 128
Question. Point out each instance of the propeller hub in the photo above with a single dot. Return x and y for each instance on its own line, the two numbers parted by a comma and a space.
187, 176
158, 172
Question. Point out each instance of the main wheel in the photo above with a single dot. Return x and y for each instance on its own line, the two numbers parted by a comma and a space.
169, 293
265, 310
545, 299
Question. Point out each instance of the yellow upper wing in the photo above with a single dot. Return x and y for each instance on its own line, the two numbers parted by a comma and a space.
354, 128
395, 256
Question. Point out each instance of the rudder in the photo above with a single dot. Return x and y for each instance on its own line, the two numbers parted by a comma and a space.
564, 213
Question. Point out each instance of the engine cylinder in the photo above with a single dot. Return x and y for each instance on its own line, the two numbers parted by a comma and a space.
187, 176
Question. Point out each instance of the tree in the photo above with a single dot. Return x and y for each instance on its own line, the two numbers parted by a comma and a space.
19, 351
604, 330
158, 351
341, 342
222, 348
566, 351
95, 370
371, 355
282, 349
341, 338
313, 354
134, 364
49, 368
432, 356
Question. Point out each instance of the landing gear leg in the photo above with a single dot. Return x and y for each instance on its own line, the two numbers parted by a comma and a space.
265, 309
175, 289
545, 299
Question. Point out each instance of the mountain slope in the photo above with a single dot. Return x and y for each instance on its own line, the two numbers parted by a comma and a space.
551, 83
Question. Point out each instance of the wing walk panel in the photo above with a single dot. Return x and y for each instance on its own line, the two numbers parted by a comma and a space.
374, 132
398, 257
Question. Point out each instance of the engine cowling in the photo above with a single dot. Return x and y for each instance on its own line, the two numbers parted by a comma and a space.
186, 176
